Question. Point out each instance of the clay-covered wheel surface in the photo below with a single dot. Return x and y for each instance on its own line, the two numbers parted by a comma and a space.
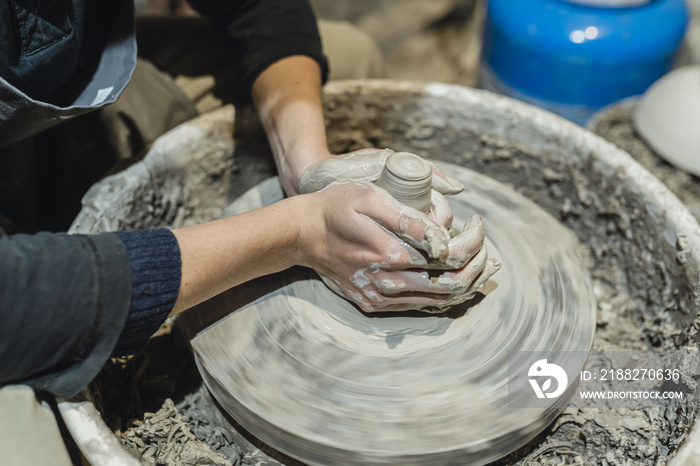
310, 375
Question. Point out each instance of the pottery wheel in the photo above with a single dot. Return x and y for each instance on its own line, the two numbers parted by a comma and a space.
310, 375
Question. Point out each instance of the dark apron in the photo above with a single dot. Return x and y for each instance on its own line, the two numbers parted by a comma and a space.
50, 155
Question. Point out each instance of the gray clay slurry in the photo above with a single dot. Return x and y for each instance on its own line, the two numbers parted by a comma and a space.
309, 374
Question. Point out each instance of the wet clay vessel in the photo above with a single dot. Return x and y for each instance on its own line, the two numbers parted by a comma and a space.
408, 178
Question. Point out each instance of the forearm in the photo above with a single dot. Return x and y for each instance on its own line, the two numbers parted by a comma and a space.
287, 96
221, 254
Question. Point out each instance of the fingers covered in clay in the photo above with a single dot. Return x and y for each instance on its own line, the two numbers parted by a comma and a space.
364, 165
465, 245
386, 256
441, 283
461, 248
444, 183
492, 266
415, 228
435, 293
377, 290
440, 210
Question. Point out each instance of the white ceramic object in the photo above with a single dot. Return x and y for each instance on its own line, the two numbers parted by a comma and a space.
668, 118
409, 179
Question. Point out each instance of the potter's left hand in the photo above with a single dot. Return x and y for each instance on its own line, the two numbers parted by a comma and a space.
363, 165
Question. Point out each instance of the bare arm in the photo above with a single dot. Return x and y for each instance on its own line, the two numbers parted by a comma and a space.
287, 96
224, 253
221, 254
341, 231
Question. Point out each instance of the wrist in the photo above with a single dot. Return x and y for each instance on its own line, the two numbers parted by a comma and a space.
299, 161
309, 228
287, 96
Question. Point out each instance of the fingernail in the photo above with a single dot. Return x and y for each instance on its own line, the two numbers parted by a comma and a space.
447, 185
474, 221
454, 182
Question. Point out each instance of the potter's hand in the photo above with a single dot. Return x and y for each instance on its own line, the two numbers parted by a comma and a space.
367, 164
367, 247
363, 165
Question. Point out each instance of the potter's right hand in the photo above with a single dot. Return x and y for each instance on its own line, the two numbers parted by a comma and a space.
365, 166
368, 248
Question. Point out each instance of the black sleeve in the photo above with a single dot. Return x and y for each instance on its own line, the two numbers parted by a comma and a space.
64, 300
265, 31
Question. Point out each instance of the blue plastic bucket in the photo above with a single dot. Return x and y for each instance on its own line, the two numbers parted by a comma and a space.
575, 56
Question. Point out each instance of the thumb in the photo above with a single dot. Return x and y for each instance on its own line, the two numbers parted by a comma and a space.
361, 165
414, 227
444, 183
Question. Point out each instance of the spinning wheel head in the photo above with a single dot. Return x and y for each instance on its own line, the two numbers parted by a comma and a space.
309, 374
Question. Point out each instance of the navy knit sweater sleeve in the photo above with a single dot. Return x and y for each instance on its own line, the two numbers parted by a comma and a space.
154, 256
68, 302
